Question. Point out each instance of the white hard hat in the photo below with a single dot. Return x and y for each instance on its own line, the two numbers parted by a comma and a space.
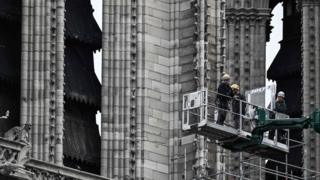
281, 94
226, 77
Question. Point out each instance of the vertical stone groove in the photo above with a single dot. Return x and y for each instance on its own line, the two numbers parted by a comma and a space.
311, 83
42, 71
142, 85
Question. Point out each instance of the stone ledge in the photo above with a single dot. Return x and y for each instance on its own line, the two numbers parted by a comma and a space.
66, 172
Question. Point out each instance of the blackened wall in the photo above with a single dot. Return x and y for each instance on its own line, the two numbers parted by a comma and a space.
82, 89
10, 53
286, 70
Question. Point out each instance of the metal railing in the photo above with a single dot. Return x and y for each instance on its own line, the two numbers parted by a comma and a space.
246, 115
194, 108
256, 167
206, 106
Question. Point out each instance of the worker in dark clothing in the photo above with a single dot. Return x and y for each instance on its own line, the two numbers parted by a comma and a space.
280, 107
237, 98
223, 98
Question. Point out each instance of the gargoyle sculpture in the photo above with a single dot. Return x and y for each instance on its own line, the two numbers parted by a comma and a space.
19, 134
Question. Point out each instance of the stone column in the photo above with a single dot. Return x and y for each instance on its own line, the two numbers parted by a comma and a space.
262, 51
246, 15
42, 76
242, 74
148, 63
247, 46
230, 62
253, 80
311, 80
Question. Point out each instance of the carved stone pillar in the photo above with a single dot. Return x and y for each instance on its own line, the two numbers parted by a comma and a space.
311, 80
153, 52
42, 76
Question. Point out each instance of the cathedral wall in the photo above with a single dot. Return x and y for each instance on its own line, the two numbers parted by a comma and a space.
157, 61
246, 42
246, 37
141, 100
311, 84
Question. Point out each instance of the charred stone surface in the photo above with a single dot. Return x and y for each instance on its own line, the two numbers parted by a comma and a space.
82, 88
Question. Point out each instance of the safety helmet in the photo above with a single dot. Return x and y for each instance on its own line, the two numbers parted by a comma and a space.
235, 86
225, 77
281, 94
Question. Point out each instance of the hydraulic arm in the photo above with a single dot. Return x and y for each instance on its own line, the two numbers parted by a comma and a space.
264, 124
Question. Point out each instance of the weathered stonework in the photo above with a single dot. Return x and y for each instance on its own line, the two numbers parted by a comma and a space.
246, 42
311, 81
245, 58
153, 52
42, 76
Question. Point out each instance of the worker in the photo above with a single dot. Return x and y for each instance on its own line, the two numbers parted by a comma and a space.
223, 98
280, 107
237, 98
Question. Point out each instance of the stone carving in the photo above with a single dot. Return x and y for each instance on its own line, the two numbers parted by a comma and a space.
14, 149
40, 174
12, 160
19, 134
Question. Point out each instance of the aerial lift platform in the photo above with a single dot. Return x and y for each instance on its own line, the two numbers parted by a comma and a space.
200, 114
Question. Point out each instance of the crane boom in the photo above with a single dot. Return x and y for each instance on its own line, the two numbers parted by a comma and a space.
264, 125
200, 114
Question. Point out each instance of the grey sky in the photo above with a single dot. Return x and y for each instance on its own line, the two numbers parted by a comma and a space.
97, 6
273, 46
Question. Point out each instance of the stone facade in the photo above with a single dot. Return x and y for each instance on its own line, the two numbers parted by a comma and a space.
310, 65
245, 58
42, 77
246, 42
35, 149
153, 52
